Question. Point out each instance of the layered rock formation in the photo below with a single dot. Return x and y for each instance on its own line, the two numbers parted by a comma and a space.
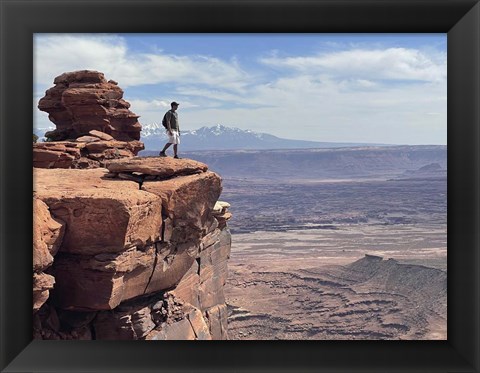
47, 236
82, 101
140, 249
93, 123
143, 255
85, 152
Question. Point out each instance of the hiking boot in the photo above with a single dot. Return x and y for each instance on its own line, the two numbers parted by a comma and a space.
177, 157
162, 154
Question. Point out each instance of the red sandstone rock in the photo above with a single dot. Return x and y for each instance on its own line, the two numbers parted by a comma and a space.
169, 269
93, 278
101, 135
47, 235
103, 281
84, 76
152, 318
102, 215
82, 101
191, 259
180, 330
85, 154
87, 139
164, 167
43, 158
42, 283
213, 272
217, 320
125, 325
188, 202
199, 326
187, 288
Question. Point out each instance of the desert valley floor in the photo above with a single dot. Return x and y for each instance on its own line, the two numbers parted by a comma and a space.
299, 269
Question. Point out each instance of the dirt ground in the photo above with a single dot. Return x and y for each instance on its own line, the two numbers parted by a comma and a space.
302, 284
298, 268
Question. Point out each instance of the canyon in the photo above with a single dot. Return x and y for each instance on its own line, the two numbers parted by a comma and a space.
359, 259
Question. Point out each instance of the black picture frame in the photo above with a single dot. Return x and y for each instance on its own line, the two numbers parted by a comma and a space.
460, 19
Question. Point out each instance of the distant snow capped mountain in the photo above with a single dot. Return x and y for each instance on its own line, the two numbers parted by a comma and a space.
220, 137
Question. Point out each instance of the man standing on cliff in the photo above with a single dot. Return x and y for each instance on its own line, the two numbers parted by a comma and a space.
170, 122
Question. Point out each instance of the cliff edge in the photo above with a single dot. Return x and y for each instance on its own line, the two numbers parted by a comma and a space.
124, 247
130, 260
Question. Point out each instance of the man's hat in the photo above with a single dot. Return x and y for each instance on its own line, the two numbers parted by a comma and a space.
174, 103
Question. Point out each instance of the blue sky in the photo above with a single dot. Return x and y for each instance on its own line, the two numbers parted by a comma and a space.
382, 88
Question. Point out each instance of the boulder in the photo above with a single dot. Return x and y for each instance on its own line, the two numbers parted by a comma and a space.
44, 158
101, 135
87, 139
84, 101
190, 215
164, 167
102, 215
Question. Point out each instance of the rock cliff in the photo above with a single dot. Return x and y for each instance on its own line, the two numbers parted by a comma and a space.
143, 259
124, 247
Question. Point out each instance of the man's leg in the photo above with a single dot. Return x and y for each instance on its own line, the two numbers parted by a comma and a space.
167, 145
175, 148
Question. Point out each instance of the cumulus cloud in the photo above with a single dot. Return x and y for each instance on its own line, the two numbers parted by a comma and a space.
55, 54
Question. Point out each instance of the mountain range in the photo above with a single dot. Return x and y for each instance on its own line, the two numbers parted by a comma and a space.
221, 137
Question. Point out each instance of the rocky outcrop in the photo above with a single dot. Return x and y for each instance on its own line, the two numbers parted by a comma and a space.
84, 152
47, 237
93, 123
82, 101
144, 252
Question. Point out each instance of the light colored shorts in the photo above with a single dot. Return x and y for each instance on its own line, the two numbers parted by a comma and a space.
174, 138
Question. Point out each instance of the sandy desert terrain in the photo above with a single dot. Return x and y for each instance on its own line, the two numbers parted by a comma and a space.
299, 270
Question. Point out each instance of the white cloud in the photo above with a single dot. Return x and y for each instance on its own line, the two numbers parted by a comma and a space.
390, 63
55, 54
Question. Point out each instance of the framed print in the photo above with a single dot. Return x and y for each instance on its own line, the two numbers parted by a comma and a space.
458, 20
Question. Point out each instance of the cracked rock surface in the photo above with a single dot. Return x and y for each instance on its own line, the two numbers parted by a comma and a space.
128, 245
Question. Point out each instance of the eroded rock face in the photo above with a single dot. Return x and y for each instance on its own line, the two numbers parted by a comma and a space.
47, 237
83, 152
82, 101
161, 167
93, 123
102, 215
138, 260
